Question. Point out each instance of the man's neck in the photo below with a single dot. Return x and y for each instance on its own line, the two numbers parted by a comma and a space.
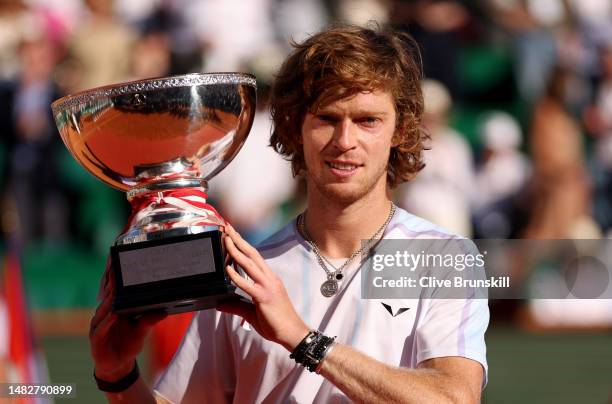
339, 228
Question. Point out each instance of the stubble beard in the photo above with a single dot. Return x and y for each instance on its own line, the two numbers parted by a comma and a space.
349, 193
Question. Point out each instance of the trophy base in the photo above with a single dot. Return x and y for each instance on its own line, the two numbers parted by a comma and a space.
126, 306
174, 274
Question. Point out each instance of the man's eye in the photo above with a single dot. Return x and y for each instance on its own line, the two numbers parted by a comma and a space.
369, 121
325, 118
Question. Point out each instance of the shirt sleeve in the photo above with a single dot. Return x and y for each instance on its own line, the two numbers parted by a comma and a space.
202, 371
455, 318
454, 327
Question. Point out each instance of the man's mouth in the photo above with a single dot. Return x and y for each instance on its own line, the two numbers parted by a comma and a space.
343, 167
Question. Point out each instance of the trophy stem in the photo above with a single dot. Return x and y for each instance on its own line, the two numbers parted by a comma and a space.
167, 208
166, 184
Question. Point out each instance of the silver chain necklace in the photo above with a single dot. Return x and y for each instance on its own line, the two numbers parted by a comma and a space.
330, 286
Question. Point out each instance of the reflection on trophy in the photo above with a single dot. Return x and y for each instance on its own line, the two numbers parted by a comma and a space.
161, 140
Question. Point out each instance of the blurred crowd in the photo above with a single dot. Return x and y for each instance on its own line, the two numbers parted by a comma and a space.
518, 97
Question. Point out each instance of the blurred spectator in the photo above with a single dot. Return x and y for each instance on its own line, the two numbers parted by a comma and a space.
231, 31
166, 26
297, 19
529, 24
593, 19
150, 56
100, 48
500, 178
32, 142
14, 23
136, 11
435, 24
252, 187
441, 192
561, 194
598, 121
66, 13
361, 12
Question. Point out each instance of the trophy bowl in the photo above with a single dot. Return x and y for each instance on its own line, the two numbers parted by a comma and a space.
160, 140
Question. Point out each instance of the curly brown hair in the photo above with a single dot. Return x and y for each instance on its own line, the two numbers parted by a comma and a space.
342, 61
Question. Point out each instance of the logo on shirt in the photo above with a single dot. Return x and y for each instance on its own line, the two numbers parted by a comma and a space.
398, 312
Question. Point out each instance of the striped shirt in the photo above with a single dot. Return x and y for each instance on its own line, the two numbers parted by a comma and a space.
222, 359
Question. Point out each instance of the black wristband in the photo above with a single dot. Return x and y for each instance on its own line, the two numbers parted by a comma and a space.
120, 385
312, 350
300, 350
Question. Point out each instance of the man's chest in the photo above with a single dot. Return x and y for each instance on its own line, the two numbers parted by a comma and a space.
381, 329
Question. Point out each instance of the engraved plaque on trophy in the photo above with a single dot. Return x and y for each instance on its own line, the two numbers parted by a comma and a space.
161, 140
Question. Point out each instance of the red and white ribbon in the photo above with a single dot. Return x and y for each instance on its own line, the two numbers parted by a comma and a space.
191, 200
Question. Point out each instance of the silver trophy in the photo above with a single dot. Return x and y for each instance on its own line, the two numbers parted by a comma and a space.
161, 140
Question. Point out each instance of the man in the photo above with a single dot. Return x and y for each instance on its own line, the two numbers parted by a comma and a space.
346, 107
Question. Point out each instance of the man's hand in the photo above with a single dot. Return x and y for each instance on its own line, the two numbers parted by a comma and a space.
116, 340
272, 314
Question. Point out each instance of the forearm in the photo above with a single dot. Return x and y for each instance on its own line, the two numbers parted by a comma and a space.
367, 380
139, 392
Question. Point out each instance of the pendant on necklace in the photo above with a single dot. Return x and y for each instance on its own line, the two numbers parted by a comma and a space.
329, 288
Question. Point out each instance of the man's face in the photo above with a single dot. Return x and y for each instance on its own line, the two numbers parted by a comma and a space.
347, 145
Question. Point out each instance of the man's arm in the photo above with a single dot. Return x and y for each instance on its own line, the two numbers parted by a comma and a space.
437, 380
139, 392
364, 379
115, 342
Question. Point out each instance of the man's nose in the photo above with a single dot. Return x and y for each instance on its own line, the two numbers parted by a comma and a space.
345, 137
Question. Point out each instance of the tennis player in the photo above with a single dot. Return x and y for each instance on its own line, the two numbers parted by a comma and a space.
347, 109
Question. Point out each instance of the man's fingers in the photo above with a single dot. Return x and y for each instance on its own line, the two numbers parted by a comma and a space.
247, 249
110, 284
241, 282
102, 311
240, 242
251, 268
107, 282
102, 327
104, 280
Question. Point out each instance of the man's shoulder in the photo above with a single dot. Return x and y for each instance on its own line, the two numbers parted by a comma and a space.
404, 224
281, 241
409, 226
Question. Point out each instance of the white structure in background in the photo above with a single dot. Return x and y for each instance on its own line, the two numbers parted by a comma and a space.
231, 31
589, 301
253, 185
298, 19
505, 169
594, 17
363, 12
441, 191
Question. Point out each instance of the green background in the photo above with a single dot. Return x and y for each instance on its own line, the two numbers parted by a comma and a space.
523, 367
